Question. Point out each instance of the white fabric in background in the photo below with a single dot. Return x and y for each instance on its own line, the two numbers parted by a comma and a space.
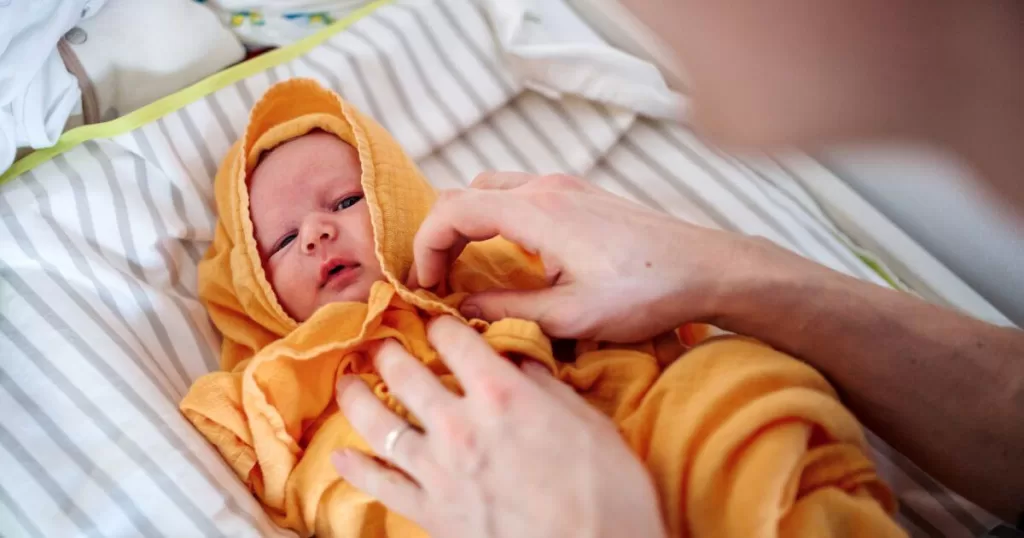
136, 52
37, 94
554, 52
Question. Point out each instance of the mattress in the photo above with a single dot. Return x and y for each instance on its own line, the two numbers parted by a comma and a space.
101, 332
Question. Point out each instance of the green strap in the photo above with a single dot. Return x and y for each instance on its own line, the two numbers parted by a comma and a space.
177, 100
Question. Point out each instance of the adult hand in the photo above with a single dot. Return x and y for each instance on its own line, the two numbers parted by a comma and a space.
520, 454
618, 271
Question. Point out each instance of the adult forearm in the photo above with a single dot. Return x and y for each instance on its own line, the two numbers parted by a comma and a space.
944, 389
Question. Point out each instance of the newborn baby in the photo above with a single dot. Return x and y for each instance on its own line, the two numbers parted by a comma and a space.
317, 210
312, 225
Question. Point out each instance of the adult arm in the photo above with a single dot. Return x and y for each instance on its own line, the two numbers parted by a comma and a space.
944, 389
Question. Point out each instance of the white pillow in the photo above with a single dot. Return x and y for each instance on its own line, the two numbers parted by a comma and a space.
134, 53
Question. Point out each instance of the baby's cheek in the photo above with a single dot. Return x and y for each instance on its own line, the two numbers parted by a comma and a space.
292, 291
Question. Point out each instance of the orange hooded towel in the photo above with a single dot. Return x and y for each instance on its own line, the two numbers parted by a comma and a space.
739, 439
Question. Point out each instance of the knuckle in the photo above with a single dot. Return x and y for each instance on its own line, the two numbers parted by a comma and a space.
457, 431
550, 202
484, 178
496, 393
494, 310
564, 181
430, 407
571, 322
447, 195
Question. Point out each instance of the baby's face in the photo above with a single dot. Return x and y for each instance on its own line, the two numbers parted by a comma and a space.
312, 224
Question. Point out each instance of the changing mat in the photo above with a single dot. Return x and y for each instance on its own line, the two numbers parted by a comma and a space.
101, 332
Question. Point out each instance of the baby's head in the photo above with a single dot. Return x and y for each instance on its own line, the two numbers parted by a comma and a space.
312, 225
315, 203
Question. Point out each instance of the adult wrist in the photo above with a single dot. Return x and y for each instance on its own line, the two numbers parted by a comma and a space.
766, 284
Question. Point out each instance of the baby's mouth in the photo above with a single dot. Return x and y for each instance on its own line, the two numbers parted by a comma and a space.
336, 271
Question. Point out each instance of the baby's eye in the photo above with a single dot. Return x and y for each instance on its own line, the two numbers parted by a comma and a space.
283, 242
348, 202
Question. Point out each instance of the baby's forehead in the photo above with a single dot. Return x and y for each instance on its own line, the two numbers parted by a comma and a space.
301, 148
316, 156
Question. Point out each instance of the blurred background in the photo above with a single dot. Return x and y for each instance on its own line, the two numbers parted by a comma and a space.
92, 61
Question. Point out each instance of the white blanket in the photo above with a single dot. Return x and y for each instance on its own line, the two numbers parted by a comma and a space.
37, 94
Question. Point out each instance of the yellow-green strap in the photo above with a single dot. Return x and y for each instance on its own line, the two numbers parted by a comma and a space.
177, 100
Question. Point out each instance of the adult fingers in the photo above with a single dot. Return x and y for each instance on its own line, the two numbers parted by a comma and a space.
501, 180
490, 180
374, 422
542, 377
449, 257
391, 487
444, 234
541, 306
471, 215
481, 371
413, 280
412, 383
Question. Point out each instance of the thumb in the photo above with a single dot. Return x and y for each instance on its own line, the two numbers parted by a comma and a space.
533, 305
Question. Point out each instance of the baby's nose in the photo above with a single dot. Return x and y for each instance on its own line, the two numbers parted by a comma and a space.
311, 245
315, 235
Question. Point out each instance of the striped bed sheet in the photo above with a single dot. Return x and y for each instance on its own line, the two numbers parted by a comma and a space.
101, 332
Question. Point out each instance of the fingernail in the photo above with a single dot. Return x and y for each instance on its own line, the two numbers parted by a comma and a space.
532, 367
470, 311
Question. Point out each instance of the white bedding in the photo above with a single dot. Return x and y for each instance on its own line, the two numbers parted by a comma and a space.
100, 329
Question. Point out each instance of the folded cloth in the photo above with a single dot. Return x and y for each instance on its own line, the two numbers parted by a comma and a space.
553, 52
740, 440
37, 93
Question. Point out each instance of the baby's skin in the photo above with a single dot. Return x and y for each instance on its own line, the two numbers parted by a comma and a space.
312, 225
